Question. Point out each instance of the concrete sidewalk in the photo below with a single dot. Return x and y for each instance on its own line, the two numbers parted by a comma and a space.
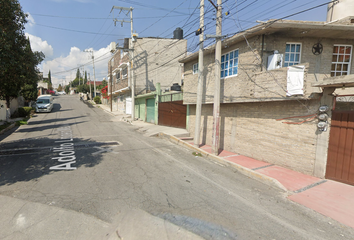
330, 198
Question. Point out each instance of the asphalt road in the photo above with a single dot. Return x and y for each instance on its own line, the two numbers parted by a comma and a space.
80, 158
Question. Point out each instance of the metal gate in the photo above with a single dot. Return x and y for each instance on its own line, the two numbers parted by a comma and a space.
172, 114
150, 110
340, 162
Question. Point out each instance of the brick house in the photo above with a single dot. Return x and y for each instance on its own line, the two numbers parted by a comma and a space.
121, 91
274, 78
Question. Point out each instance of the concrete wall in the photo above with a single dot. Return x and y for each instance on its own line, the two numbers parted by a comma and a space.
252, 129
2, 110
253, 83
156, 61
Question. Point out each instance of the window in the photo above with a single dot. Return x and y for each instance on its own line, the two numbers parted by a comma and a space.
341, 59
125, 73
292, 54
118, 76
195, 68
229, 64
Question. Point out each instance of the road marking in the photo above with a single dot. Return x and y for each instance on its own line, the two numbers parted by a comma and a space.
104, 150
66, 150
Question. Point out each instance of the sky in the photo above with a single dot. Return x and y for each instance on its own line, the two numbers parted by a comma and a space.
64, 29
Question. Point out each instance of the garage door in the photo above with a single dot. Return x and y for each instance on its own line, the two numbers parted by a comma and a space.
340, 163
173, 114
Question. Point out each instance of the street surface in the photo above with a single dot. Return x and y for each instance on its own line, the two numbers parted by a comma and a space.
80, 159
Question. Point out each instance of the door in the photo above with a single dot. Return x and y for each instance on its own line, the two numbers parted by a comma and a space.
173, 114
340, 162
150, 110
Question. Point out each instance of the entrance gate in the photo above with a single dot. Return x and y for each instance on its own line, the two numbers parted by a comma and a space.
340, 162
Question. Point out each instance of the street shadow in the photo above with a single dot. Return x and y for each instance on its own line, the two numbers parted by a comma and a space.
22, 161
35, 121
34, 129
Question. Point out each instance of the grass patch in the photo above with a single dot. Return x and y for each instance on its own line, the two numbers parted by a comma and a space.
197, 154
22, 122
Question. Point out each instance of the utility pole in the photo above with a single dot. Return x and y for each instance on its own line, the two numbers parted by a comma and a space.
132, 36
111, 84
198, 114
90, 87
216, 107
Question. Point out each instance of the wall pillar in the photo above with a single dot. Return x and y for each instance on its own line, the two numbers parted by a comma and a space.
323, 137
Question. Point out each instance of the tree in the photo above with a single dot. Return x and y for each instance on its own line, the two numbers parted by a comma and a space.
85, 81
102, 85
17, 61
67, 89
78, 73
60, 88
29, 89
49, 77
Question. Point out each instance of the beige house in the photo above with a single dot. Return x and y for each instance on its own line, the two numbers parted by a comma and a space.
274, 78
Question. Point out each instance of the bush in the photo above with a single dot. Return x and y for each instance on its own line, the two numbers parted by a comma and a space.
24, 111
97, 100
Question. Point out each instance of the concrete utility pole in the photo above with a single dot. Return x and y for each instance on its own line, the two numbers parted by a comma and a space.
198, 113
130, 49
111, 84
216, 108
90, 87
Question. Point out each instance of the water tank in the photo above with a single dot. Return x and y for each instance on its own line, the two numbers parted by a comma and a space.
178, 33
340, 9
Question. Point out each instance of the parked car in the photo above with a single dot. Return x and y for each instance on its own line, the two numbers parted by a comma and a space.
44, 103
62, 93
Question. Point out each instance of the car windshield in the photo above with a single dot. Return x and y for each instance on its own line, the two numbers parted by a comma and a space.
42, 100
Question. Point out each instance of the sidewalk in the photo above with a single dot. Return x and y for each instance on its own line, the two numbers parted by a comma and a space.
330, 198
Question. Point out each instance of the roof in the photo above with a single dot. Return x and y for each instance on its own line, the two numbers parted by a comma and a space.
336, 82
291, 29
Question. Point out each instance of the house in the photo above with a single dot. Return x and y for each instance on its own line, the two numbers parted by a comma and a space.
121, 92
156, 64
279, 82
157, 78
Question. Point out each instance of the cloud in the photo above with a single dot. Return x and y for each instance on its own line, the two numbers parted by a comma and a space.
63, 69
30, 20
37, 44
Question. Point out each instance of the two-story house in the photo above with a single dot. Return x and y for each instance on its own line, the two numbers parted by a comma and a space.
119, 67
279, 83
157, 73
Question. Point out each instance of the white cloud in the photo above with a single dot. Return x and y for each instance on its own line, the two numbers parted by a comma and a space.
37, 44
63, 69
30, 20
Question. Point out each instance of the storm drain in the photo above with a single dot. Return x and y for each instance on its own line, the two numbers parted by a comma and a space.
33, 150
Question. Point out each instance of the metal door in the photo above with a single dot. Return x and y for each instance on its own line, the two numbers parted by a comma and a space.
150, 110
173, 114
340, 162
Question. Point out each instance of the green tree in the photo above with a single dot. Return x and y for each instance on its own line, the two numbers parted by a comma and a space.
60, 88
78, 73
16, 67
29, 89
85, 81
102, 85
49, 77
67, 89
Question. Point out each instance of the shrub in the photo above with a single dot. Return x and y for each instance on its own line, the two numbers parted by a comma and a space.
97, 100
24, 111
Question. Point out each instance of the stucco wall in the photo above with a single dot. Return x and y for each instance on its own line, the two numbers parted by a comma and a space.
252, 129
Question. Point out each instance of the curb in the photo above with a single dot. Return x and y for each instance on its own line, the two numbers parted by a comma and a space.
245, 171
8, 128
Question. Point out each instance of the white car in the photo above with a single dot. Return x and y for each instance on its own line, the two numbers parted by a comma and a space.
62, 93
44, 103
